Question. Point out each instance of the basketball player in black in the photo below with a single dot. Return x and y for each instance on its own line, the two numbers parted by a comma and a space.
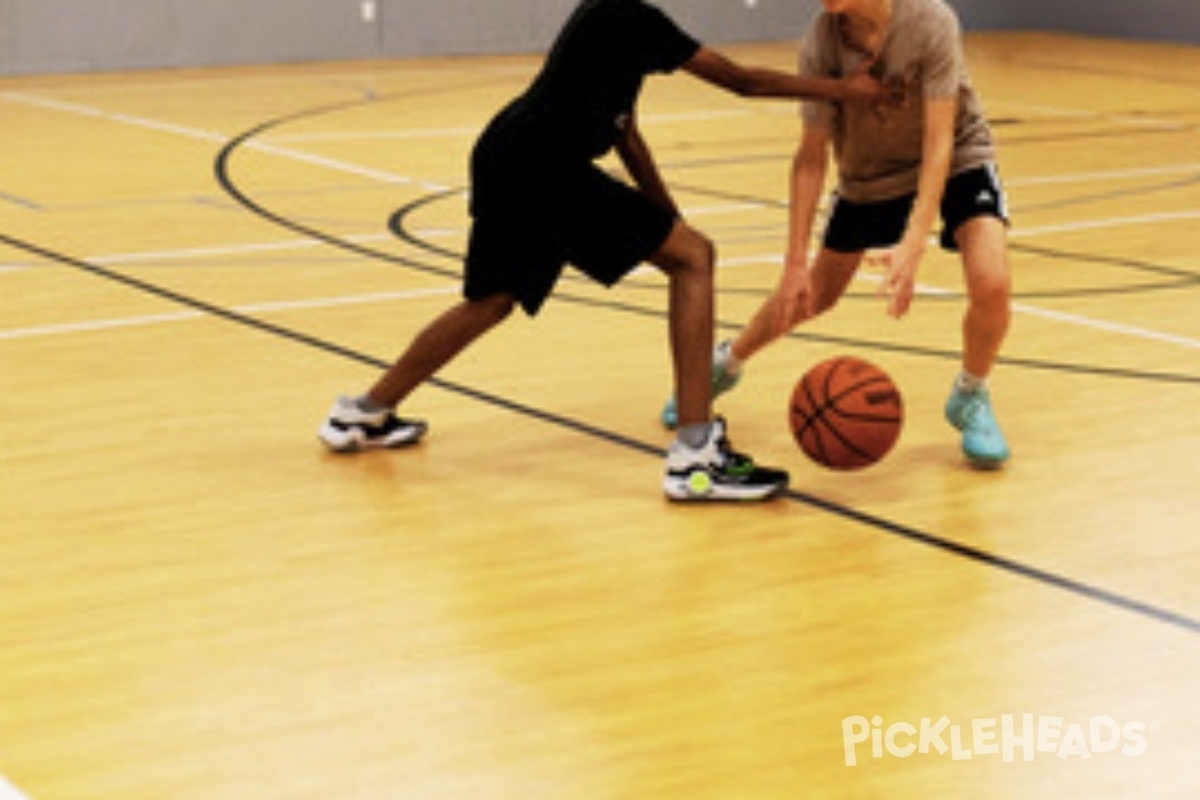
538, 202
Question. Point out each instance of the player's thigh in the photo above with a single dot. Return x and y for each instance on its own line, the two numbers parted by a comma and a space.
609, 227
511, 256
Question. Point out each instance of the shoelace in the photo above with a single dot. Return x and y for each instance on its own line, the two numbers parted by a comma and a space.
973, 408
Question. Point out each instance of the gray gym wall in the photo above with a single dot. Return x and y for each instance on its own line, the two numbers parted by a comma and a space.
102, 35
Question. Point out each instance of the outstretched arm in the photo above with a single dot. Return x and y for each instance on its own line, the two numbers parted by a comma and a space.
715, 68
808, 181
902, 260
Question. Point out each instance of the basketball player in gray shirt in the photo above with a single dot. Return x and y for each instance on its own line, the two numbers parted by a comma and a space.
898, 167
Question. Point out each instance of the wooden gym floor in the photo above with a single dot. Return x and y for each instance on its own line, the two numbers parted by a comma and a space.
198, 602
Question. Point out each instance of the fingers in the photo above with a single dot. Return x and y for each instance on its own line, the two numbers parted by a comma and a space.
900, 301
783, 320
898, 289
896, 285
865, 64
791, 303
785, 312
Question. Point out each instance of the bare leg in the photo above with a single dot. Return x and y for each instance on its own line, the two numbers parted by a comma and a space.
437, 345
983, 246
830, 275
700, 464
985, 324
687, 257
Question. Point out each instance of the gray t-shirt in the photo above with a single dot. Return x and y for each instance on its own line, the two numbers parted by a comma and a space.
878, 151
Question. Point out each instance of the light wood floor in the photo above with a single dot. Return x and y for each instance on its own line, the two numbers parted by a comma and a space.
197, 602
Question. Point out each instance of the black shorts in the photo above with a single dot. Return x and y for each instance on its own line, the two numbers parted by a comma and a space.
854, 227
588, 219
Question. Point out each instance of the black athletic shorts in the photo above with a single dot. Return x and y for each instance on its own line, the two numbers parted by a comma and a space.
854, 227
588, 219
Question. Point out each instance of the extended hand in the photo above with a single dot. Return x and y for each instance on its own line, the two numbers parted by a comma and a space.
861, 87
899, 277
793, 297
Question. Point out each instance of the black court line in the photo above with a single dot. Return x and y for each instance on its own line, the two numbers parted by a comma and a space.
221, 170
911, 534
316, 342
25, 203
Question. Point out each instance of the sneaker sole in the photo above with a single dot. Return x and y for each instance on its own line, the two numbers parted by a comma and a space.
679, 490
985, 463
980, 462
346, 442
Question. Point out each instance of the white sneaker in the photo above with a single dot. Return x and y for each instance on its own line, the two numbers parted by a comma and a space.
715, 472
350, 429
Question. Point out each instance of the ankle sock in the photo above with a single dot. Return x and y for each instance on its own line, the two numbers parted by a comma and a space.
694, 435
368, 406
725, 356
966, 382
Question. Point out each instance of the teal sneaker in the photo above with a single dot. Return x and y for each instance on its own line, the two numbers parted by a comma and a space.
722, 381
982, 442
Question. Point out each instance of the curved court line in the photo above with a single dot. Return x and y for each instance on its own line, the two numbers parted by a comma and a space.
222, 170
22, 202
1012, 566
396, 223
1173, 278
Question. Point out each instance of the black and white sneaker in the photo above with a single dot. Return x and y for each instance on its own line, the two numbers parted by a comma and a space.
715, 472
350, 429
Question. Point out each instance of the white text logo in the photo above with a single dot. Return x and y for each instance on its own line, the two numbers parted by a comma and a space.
1010, 736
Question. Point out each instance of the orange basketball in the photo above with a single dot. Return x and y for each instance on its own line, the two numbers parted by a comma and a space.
846, 413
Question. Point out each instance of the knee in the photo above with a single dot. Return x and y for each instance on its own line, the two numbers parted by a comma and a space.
688, 251
704, 253
991, 292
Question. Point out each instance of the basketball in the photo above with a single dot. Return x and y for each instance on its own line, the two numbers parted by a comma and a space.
846, 413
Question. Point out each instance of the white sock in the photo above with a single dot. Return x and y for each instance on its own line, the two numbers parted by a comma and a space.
694, 435
724, 355
966, 382
368, 406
